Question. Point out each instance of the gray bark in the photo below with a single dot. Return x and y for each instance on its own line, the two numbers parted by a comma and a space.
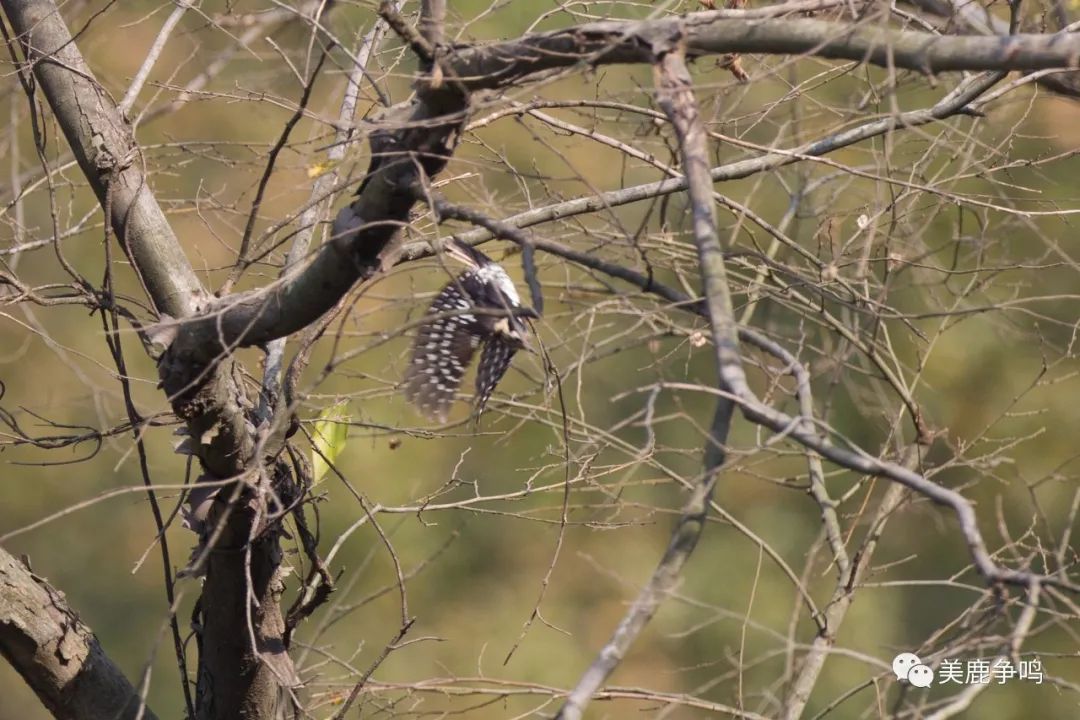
57, 654
718, 33
101, 140
362, 231
243, 661
240, 678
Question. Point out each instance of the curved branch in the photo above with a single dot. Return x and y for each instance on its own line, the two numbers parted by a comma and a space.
675, 95
423, 134
57, 654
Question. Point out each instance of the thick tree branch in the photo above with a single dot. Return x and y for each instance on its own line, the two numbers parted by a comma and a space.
102, 142
362, 231
242, 659
957, 102
720, 32
417, 142
57, 654
973, 17
433, 21
413, 143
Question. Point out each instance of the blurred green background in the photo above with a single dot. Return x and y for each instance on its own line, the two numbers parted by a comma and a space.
996, 383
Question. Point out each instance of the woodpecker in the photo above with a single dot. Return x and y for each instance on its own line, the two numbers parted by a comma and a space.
479, 307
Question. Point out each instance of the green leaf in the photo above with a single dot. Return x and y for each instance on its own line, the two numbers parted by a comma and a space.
331, 433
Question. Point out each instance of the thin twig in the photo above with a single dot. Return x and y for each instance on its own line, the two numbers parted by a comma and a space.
242, 261
317, 208
152, 56
359, 686
676, 97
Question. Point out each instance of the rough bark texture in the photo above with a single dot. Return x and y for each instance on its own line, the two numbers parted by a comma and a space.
233, 681
56, 653
974, 17
101, 140
294, 302
243, 660
210, 397
716, 33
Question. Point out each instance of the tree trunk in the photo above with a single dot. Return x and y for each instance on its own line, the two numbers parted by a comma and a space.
57, 654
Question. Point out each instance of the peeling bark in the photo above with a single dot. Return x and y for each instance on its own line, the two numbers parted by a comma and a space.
243, 660
57, 654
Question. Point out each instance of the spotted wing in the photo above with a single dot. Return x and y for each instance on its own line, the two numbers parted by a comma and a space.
494, 361
443, 349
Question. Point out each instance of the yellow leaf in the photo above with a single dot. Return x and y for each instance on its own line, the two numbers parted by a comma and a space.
331, 433
319, 168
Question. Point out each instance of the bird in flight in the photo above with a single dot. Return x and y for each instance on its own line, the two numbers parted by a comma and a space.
479, 307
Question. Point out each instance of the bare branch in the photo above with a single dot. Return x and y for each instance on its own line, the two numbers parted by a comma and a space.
676, 97
719, 32
108, 155
152, 56
811, 665
957, 102
318, 205
362, 231
57, 654
974, 18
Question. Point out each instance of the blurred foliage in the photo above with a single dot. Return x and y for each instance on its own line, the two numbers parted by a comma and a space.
998, 386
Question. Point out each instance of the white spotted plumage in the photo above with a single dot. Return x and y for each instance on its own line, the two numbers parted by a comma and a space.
495, 274
446, 343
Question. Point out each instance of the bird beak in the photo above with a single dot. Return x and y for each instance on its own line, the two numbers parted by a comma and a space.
453, 249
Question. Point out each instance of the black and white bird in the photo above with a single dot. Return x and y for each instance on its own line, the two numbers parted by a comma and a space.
480, 307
